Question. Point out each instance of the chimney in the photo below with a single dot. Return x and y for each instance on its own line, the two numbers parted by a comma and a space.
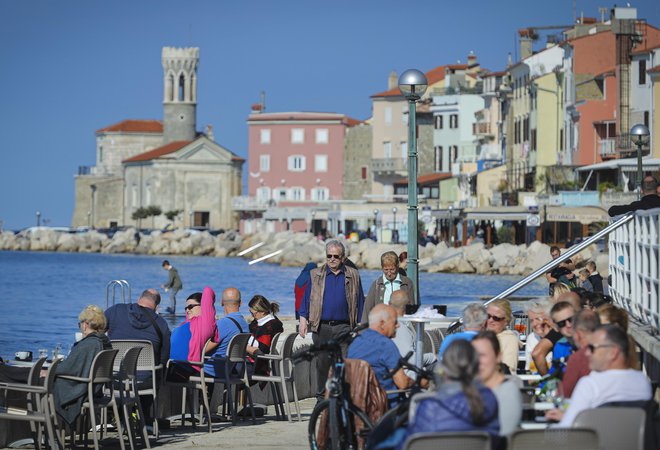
392, 80
256, 108
473, 65
526, 37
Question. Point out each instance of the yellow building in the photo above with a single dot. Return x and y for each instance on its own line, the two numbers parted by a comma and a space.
546, 123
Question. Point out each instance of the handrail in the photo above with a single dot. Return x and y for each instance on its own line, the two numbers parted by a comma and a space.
555, 262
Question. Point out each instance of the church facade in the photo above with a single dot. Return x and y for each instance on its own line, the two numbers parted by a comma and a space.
167, 164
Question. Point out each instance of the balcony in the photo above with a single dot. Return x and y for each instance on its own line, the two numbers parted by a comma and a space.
481, 128
250, 204
607, 148
389, 165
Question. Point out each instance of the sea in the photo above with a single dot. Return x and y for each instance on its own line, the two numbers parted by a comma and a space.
42, 293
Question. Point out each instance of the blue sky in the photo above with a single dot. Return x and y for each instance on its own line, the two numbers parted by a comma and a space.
68, 68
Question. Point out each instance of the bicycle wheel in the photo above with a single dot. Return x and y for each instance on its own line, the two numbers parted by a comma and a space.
338, 435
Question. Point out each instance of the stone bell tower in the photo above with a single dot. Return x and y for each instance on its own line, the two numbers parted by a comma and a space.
180, 95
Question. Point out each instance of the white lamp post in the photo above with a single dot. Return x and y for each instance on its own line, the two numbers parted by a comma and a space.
640, 136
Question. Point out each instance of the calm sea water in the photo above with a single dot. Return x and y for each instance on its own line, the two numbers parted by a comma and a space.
41, 294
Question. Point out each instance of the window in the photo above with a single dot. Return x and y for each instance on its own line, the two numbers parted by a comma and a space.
453, 121
320, 194
437, 160
322, 136
297, 136
321, 163
279, 194
134, 195
404, 149
438, 122
387, 149
533, 140
363, 172
263, 194
296, 163
453, 153
100, 153
642, 71
264, 163
388, 115
147, 194
297, 194
265, 136
646, 118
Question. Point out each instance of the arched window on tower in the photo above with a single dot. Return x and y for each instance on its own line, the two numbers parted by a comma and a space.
182, 82
170, 88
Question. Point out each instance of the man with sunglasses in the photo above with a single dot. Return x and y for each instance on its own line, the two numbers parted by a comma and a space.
584, 324
562, 315
611, 378
332, 304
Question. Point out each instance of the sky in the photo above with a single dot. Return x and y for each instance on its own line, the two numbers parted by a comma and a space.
69, 68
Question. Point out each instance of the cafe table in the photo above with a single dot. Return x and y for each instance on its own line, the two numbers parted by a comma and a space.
419, 322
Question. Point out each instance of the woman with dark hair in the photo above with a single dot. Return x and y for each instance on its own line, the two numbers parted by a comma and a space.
505, 387
264, 326
403, 263
461, 403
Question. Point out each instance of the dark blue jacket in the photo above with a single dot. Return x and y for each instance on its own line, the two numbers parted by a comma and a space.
449, 411
132, 321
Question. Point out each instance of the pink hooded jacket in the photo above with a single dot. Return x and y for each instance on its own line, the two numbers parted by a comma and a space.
203, 327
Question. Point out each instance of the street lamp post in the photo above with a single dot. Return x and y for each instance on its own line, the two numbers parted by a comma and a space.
395, 238
640, 136
412, 84
376, 223
38, 218
451, 225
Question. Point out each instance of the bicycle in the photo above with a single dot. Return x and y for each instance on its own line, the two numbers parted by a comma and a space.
397, 417
340, 410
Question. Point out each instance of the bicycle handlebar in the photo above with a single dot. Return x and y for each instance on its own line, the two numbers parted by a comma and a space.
404, 364
332, 346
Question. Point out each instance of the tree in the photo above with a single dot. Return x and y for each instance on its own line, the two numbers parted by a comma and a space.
139, 214
171, 215
153, 211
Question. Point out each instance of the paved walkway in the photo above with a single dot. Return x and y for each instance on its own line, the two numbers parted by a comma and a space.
266, 433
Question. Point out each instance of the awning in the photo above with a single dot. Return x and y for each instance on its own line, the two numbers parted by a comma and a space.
581, 214
626, 164
497, 213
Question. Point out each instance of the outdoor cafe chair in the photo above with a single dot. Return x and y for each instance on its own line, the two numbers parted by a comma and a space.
37, 409
555, 438
464, 440
146, 363
281, 373
129, 398
100, 374
617, 427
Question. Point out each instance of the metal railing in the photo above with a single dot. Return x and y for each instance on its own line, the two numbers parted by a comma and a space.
389, 164
555, 262
635, 267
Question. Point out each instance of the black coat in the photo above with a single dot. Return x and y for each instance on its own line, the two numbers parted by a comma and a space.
647, 202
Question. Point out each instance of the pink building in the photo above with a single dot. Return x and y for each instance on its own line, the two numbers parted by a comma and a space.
295, 162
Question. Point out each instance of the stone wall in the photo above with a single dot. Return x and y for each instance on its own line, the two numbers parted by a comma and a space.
297, 249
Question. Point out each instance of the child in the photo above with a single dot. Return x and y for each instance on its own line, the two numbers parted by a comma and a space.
584, 280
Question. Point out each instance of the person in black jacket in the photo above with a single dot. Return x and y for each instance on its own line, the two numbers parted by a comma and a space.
595, 278
649, 200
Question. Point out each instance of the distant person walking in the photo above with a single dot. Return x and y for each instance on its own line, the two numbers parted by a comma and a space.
173, 284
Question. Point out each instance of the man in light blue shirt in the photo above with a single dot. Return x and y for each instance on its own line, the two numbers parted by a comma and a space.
229, 326
474, 321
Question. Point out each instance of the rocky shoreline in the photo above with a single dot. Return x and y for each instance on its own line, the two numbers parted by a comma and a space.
295, 249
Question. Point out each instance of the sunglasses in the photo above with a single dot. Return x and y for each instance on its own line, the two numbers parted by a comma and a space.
495, 318
562, 323
191, 306
592, 348
330, 256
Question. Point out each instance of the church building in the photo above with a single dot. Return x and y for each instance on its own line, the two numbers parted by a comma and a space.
166, 164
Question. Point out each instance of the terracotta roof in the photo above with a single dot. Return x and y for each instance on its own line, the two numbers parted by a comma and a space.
433, 76
134, 126
641, 51
300, 116
429, 178
158, 152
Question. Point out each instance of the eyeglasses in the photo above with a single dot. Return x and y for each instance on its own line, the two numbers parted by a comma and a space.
563, 323
495, 318
191, 306
330, 256
592, 348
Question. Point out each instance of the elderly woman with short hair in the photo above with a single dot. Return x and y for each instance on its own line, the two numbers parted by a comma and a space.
383, 286
69, 395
